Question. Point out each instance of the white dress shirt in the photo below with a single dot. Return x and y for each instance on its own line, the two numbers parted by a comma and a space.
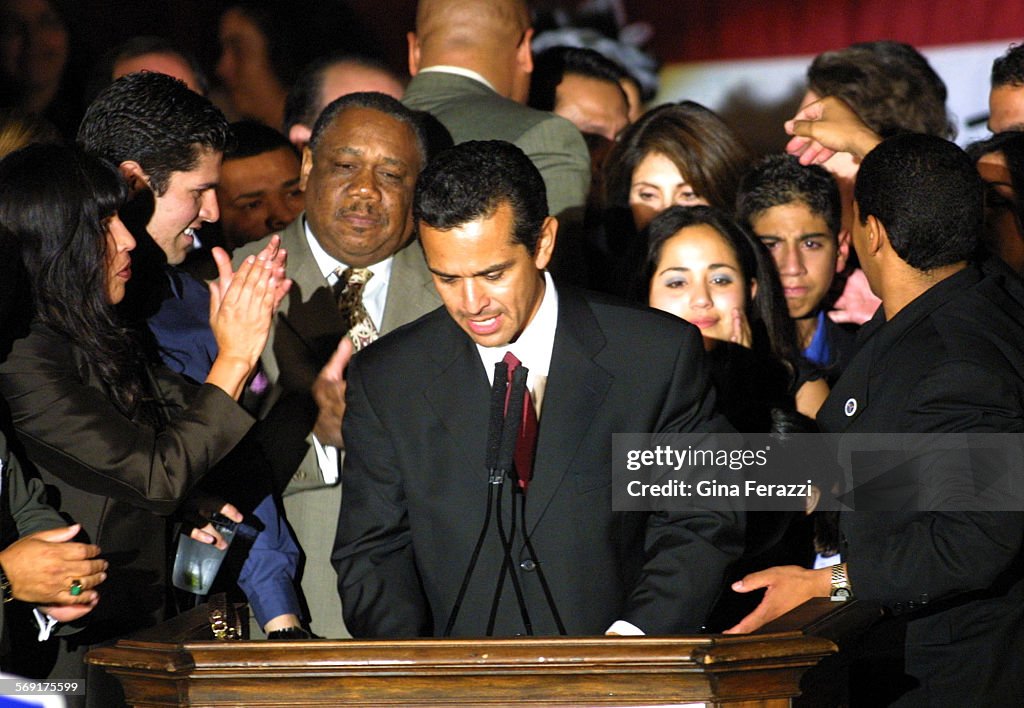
374, 298
533, 346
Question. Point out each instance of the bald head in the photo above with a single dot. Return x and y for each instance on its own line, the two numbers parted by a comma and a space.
491, 37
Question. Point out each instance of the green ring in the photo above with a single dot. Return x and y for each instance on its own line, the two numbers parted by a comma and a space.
76, 588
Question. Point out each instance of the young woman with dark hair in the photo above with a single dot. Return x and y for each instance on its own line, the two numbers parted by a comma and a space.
119, 444
678, 154
702, 266
705, 268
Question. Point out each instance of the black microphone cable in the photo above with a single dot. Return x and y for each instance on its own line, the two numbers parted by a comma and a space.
506, 457
496, 477
548, 596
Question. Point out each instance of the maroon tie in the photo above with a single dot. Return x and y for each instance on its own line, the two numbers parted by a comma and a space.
526, 443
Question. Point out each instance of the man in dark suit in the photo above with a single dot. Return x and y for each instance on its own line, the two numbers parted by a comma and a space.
944, 354
416, 429
470, 61
358, 173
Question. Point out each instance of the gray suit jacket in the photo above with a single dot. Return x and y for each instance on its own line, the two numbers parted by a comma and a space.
308, 325
472, 111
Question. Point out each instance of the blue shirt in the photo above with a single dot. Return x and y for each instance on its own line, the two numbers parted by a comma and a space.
187, 345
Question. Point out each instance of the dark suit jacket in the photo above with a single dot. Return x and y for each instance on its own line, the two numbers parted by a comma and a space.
472, 111
951, 361
117, 476
416, 483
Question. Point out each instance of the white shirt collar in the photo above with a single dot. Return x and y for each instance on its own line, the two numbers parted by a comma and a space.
458, 71
375, 292
535, 344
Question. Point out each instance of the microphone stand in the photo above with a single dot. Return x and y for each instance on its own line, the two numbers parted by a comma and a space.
548, 596
503, 429
509, 435
494, 435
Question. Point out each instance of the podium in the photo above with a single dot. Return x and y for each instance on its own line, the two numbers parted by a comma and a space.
179, 664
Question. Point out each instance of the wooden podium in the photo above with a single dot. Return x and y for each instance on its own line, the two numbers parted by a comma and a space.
177, 664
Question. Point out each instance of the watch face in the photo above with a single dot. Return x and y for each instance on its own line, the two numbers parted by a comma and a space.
840, 594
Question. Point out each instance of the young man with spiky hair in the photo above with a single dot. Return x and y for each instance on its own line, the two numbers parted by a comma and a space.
796, 213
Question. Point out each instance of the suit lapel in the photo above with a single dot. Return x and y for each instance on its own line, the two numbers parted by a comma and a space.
411, 291
310, 312
459, 394
576, 389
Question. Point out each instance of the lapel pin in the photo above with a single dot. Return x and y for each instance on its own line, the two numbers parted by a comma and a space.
851, 407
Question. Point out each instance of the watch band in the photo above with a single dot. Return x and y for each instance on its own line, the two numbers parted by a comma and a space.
5, 586
841, 589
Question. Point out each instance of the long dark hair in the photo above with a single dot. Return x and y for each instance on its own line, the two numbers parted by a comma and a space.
770, 325
53, 203
709, 155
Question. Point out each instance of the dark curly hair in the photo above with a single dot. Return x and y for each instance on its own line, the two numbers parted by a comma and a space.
156, 121
471, 180
890, 85
928, 195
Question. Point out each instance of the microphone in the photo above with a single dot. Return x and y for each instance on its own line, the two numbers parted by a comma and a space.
496, 419
513, 421
517, 396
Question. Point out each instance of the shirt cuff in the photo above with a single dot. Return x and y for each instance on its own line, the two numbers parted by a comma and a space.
625, 628
45, 622
821, 561
327, 458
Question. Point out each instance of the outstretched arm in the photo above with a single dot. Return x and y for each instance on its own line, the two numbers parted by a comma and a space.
825, 127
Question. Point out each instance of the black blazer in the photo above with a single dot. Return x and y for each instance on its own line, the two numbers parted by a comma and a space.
416, 484
950, 361
119, 477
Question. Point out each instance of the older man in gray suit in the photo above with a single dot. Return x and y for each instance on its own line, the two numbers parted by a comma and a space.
355, 271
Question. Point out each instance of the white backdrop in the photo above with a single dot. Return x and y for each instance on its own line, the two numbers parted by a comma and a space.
755, 96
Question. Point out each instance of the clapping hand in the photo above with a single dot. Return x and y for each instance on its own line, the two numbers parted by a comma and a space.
242, 305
